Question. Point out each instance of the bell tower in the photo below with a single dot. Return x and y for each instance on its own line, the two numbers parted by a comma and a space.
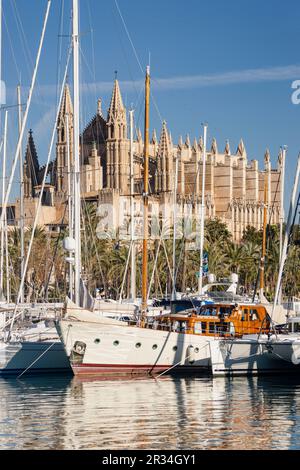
64, 126
117, 144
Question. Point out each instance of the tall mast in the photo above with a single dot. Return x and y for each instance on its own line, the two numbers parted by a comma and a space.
132, 271
202, 214
264, 238
3, 224
77, 200
289, 224
145, 194
174, 228
70, 208
21, 194
282, 177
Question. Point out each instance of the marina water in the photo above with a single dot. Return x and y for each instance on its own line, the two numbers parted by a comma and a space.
53, 412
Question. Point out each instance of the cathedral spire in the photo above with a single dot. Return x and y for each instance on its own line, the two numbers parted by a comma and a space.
241, 151
31, 167
31, 153
116, 103
267, 157
214, 146
195, 145
180, 142
164, 141
227, 148
187, 141
154, 137
200, 143
66, 106
116, 116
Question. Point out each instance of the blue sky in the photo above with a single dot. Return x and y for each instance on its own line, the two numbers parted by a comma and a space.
229, 63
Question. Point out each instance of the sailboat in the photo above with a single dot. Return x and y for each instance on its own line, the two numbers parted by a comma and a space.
100, 346
274, 352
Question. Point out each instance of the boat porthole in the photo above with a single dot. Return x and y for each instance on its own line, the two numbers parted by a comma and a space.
154, 346
97, 341
174, 348
138, 345
116, 343
196, 350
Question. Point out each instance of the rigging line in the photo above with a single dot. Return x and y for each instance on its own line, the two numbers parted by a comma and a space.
42, 185
27, 50
34, 362
92, 47
137, 58
11, 47
54, 257
95, 245
28, 103
59, 48
129, 37
28, 61
125, 55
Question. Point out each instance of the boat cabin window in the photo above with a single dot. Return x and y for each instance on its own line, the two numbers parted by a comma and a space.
197, 327
203, 327
212, 327
294, 327
253, 314
209, 311
181, 326
225, 310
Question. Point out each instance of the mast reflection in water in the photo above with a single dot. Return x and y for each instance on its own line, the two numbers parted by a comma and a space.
169, 413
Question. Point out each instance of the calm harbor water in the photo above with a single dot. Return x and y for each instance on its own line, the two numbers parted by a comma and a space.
54, 412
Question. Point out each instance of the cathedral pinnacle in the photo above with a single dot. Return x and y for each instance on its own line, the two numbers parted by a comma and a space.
154, 138
116, 103
99, 107
214, 147
180, 142
200, 143
187, 141
227, 148
164, 141
241, 151
267, 156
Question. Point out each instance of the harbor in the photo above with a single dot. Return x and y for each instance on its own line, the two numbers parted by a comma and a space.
61, 413
149, 290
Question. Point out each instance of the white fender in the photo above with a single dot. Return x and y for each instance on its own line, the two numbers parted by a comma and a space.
190, 354
296, 353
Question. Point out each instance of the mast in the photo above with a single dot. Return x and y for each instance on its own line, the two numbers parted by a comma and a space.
264, 238
77, 200
289, 225
69, 204
21, 194
174, 228
132, 271
282, 177
145, 194
3, 221
202, 214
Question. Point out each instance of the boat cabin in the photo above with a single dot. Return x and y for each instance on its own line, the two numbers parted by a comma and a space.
218, 319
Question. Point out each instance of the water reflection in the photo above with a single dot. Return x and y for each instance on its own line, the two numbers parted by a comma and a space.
169, 413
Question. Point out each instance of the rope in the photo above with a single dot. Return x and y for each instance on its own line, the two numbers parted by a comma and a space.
29, 367
170, 368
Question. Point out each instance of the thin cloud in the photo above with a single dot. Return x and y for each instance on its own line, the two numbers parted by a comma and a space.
260, 75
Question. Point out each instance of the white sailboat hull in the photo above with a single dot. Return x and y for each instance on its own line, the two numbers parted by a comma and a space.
111, 349
253, 356
35, 356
